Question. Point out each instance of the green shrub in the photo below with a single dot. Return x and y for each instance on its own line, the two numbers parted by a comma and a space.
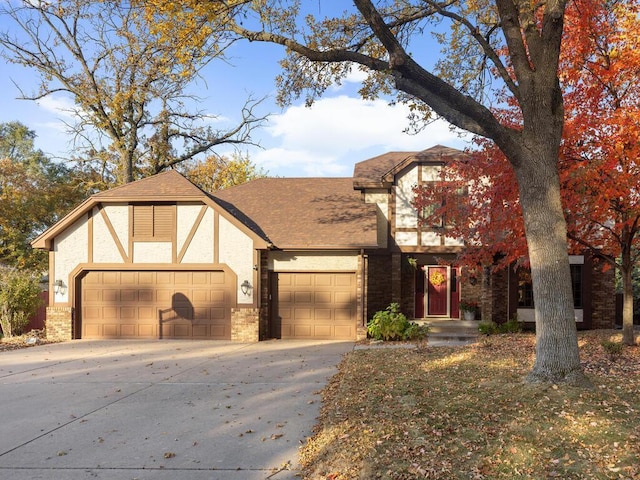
19, 299
512, 326
392, 324
487, 327
612, 348
416, 333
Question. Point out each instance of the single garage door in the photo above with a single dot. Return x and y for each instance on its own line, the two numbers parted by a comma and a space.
319, 306
156, 304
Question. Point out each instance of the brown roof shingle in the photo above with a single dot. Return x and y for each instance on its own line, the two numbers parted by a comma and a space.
166, 185
301, 213
377, 172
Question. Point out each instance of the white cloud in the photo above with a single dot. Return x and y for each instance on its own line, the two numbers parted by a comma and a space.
334, 134
62, 106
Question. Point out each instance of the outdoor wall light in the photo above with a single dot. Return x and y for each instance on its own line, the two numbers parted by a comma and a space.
61, 288
246, 287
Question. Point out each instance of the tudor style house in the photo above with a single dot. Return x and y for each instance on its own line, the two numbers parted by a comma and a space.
291, 258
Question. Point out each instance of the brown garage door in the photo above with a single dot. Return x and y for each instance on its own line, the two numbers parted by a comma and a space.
318, 306
156, 304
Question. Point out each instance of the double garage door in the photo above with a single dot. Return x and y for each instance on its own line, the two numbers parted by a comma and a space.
156, 304
320, 306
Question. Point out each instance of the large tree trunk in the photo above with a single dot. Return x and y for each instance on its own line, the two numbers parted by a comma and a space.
557, 355
626, 269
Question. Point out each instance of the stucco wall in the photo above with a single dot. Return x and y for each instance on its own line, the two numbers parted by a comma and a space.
200, 249
70, 248
406, 214
152, 252
381, 199
313, 262
105, 249
236, 250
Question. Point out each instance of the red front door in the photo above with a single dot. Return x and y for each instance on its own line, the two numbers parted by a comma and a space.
437, 291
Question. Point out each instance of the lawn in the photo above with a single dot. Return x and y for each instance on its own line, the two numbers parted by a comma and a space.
465, 413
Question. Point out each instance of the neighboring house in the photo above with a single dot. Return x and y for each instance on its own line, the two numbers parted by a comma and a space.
294, 258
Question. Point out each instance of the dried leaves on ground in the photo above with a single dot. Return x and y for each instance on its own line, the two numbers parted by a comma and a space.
31, 339
465, 413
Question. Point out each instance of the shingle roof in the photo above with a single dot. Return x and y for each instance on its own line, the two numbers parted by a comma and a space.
378, 172
166, 185
317, 213
169, 186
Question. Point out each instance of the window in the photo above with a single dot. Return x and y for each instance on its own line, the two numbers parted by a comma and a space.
153, 222
427, 212
576, 284
525, 287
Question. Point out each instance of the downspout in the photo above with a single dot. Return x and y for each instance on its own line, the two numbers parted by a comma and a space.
365, 287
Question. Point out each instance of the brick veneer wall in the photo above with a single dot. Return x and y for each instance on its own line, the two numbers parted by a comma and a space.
378, 284
471, 290
408, 275
245, 324
494, 297
59, 323
603, 299
265, 300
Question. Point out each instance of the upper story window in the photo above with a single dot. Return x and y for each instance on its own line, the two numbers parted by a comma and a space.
153, 222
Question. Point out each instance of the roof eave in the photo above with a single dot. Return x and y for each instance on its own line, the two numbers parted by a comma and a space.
327, 247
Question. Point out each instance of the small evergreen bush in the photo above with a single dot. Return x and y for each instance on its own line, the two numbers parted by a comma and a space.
512, 326
487, 327
612, 348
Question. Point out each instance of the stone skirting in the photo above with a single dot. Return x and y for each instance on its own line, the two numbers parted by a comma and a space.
59, 323
245, 324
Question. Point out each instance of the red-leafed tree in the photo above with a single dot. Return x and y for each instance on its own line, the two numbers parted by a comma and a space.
598, 165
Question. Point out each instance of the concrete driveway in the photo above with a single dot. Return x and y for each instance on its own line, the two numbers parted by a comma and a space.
160, 409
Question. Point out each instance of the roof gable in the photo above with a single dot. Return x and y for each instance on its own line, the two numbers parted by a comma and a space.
169, 186
379, 172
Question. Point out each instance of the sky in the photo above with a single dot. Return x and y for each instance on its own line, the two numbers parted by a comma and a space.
327, 139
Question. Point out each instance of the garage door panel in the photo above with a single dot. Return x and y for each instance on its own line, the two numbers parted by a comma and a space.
317, 305
303, 297
110, 330
322, 314
302, 314
322, 297
147, 331
127, 313
344, 298
344, 280
218, 296
93, 330
322, 330
145, 295
110, 295
285, 297
346, 331
200, 296
301, 330
152, 310
218, 331
342, 315
200, 331
129, 295
129, 330
323, 280
303, 280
